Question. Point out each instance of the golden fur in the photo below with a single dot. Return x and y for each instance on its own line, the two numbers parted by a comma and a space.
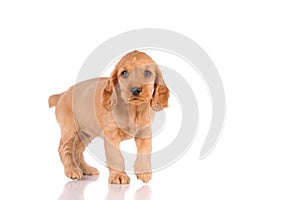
107, 108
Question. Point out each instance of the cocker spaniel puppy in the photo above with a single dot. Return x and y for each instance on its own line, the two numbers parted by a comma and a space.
116, 108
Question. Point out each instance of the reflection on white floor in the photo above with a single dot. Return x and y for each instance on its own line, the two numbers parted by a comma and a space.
74, 190
119, 191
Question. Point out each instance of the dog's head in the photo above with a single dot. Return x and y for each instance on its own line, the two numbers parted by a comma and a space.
137, 80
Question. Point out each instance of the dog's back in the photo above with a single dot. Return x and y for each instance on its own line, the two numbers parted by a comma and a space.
78, 102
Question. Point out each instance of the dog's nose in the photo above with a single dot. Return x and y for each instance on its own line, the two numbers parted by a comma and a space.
135, 91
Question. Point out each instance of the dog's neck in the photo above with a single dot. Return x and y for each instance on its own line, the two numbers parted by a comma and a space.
140, 115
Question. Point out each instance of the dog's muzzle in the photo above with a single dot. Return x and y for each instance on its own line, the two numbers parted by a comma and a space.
135, 91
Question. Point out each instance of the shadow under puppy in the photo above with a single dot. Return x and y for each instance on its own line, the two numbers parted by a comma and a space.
116, 108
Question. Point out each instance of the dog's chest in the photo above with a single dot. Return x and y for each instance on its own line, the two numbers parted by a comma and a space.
125, 122
131, 123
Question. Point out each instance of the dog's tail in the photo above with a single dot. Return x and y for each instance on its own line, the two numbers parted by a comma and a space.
53, 99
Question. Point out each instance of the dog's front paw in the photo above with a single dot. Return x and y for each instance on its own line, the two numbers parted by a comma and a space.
145, 177
143, 170
118, 178
74, 173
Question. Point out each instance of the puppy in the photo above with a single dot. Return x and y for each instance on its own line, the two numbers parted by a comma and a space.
116, 108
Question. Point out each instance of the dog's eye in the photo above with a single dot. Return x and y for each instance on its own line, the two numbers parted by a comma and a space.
124, 74
147, 73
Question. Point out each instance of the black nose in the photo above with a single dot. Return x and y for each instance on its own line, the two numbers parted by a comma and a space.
135, 91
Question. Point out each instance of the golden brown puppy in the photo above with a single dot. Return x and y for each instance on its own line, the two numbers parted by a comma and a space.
116, 108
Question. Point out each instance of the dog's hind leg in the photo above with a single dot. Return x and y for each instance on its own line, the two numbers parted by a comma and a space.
67, 152
86, 169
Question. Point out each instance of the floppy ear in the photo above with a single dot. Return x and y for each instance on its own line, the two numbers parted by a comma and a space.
107, 91
161, 93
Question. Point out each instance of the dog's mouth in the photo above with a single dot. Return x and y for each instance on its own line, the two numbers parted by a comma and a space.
137, 100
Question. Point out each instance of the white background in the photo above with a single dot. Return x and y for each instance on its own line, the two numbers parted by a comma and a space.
255, 46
